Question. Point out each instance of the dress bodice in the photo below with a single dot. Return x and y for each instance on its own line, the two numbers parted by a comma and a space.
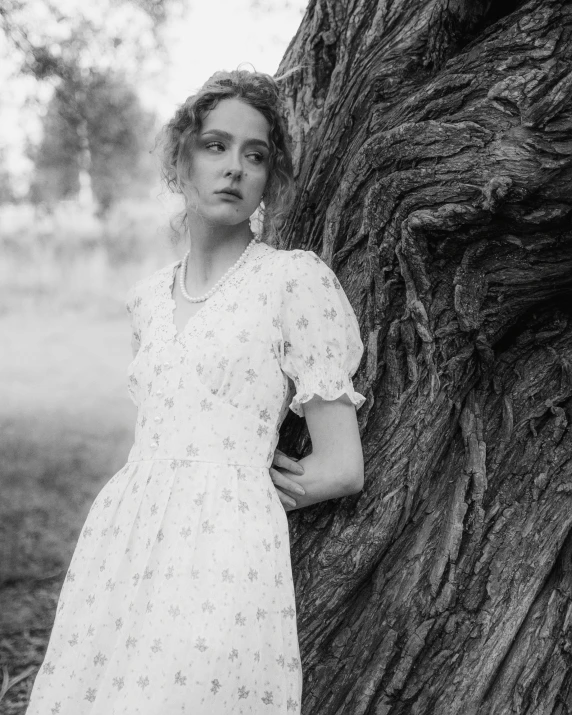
278, 331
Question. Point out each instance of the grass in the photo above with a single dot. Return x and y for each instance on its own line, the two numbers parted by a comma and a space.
69, 260
66, 425
66, 420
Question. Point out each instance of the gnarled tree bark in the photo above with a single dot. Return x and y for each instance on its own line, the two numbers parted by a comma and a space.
433, 152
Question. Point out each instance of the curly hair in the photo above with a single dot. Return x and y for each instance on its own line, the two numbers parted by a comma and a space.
260, 91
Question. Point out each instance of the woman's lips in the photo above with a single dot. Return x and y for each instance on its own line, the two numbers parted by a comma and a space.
228, 193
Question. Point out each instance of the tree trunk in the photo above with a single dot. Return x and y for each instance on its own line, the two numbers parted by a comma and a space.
85, 195
433, 152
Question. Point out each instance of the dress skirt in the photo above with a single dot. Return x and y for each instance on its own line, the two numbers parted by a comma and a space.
178, 599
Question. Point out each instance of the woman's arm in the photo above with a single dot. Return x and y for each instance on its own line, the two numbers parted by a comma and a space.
335, 467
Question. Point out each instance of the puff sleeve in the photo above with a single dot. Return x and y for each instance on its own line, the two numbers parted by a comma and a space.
132, 303
318, 341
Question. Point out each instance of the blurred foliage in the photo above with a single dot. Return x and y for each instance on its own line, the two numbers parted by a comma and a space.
56, 38
121, 136
89, 58
156, 9
6, 188
272, 6
118, 135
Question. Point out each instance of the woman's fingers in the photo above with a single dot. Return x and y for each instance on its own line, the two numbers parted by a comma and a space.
284, 462
284, 498
284, 482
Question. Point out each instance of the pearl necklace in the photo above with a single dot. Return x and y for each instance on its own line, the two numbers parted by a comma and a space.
200, 299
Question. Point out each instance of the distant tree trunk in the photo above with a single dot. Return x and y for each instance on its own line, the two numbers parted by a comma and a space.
85, 194
433, 149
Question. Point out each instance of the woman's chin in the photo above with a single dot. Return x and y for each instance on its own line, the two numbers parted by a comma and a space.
229, 217
225, 217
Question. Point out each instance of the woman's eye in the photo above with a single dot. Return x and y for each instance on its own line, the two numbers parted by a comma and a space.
256, 156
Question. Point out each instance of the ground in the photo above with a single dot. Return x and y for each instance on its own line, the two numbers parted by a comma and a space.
66, 426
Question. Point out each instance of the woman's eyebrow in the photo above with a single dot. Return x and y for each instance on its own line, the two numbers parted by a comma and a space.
226, 135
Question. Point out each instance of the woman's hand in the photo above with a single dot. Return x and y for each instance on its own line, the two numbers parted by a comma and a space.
283, 483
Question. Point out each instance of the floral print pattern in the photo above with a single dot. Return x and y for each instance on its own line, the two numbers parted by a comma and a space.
179, 597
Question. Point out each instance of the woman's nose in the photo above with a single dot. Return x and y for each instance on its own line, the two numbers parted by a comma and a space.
234, 167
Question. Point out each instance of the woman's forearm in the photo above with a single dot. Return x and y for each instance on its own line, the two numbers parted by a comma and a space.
321, 480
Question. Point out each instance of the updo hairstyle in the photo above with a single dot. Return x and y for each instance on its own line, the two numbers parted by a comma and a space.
260, 91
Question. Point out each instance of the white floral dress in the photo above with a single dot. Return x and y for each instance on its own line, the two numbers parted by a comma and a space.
179, 597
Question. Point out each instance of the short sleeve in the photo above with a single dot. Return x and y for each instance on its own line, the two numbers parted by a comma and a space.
132, 303
319, 344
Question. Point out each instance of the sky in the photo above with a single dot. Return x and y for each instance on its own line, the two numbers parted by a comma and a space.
205, 37
223, 34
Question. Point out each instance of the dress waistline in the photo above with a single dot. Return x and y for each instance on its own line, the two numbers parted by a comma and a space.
178, 462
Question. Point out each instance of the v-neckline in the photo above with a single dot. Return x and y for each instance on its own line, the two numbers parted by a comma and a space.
172, 306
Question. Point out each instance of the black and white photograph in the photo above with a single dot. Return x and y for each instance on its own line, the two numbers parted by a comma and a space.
286, 357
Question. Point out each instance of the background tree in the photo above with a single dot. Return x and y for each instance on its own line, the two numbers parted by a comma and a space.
97, 49
433, 148
51, 41
6, 188
119, 134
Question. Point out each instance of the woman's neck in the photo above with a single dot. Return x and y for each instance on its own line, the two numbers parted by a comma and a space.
214, 249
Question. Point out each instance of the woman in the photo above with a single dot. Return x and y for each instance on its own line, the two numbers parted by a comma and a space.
179, 596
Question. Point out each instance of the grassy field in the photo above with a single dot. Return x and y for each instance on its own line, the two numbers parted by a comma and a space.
66, 420
66, 426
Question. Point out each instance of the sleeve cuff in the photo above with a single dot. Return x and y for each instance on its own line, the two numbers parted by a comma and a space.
327, 388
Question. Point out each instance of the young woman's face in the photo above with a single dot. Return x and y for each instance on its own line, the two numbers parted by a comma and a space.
231, 151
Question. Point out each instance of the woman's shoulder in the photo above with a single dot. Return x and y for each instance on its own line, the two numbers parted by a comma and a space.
298, 262
298, 267
149, 283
